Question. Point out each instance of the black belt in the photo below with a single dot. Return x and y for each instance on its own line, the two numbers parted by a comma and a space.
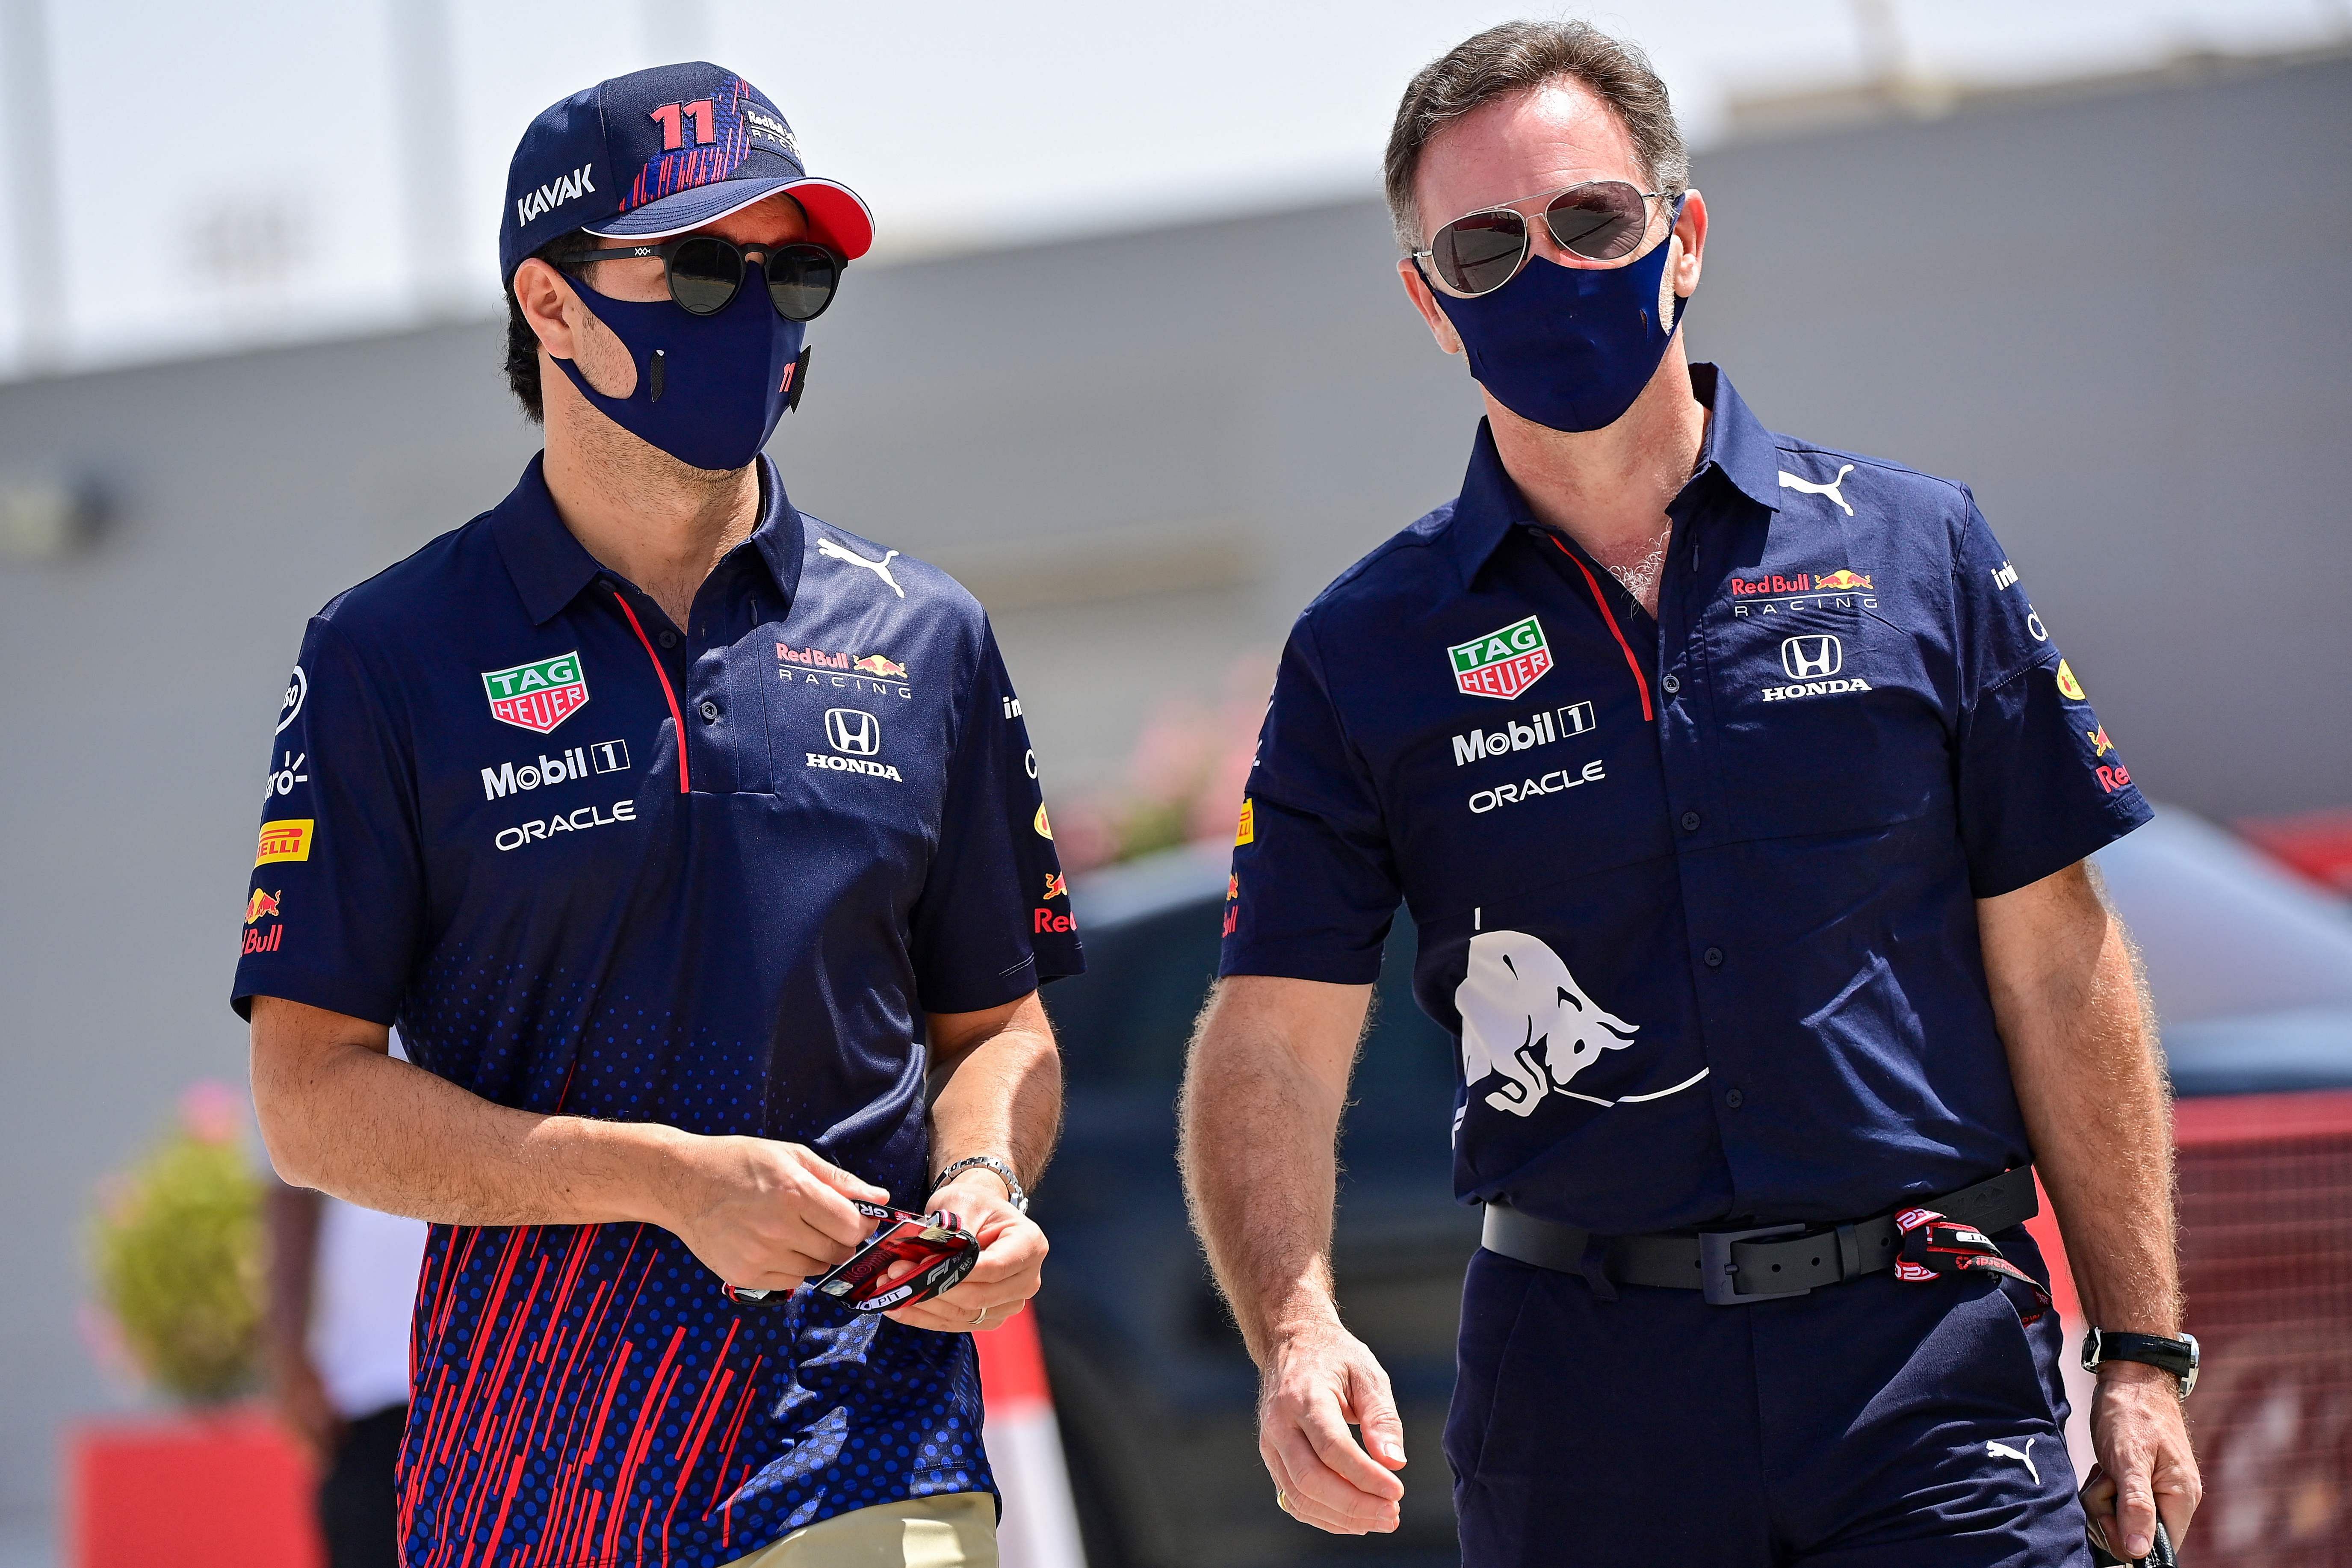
1733, 1268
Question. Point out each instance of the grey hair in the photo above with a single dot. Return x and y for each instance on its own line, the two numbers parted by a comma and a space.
1514, 57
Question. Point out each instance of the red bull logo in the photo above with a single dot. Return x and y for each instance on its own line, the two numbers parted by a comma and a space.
1843, 580
2100, 744
811, 658
1794, 582
1055, 887
262, 905
874, 664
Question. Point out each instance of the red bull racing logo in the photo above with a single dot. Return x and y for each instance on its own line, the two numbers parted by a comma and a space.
842, 671
1779, 591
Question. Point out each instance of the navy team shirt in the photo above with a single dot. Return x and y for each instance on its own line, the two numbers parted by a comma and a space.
708, 875
1696, 895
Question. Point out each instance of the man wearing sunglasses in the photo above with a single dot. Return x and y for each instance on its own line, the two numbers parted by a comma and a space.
1740, 800
696, 848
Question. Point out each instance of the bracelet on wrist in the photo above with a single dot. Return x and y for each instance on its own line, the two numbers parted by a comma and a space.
1014, 1192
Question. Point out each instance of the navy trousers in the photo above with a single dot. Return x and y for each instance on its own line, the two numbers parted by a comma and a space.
1869, 1424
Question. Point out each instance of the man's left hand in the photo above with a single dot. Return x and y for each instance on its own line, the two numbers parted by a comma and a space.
2146, 1467
1011, 1260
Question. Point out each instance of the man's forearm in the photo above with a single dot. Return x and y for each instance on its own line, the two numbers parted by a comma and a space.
999, 1093
2082, 1051
350, 1121
1259, 1131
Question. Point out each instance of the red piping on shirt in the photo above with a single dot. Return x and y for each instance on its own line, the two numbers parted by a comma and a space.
1631, 662
679, 720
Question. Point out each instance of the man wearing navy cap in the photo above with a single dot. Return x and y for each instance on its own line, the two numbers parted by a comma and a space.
695, 845
1740, 799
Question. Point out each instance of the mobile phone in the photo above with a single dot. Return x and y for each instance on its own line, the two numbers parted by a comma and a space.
942, 1252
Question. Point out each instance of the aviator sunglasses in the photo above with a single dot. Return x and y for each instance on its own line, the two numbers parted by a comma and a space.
705, 271
1600, 220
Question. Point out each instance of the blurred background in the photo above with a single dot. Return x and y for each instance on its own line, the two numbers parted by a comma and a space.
1130, 359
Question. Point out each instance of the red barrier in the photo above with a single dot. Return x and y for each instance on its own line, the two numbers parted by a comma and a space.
226, 1490
2266, 1260
2266, 1263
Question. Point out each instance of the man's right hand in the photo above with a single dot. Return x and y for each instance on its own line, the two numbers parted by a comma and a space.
1316, 1383
766, 1215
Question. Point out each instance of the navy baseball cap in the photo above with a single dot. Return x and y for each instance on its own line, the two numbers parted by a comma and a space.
660, 152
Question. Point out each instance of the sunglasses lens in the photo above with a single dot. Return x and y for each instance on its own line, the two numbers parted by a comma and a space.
801, 280
1478, 254
1602, 221
704, 275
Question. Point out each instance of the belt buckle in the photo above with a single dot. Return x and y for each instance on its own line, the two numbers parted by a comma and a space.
1717, 1272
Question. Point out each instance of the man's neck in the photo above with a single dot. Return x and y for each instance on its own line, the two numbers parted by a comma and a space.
639, 510
1608, 489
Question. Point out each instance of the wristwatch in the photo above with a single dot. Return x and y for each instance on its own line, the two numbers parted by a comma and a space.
2178, 1357
1013, 1187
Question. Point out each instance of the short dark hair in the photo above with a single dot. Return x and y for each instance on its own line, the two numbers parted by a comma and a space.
522, 343
1513, 58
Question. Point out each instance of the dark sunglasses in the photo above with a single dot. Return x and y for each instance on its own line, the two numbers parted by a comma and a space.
1600, 220
705, 271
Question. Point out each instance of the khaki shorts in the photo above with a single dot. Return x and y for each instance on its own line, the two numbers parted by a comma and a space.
956, 1530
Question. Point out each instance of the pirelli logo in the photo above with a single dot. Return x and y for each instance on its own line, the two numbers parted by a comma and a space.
284, 840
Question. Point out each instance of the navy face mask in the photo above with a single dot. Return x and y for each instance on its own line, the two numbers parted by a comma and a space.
1570, 347
709, 388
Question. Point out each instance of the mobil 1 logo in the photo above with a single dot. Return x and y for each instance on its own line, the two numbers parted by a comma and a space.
1520, 735
565, 766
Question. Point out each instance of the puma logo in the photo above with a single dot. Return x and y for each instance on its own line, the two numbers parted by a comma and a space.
2023, 1456
1790, 481
879, 568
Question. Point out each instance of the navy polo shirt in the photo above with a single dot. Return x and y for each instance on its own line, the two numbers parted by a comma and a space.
709, 874
1696, 895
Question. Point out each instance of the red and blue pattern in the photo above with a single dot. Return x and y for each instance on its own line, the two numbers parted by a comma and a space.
690, 166
593, 1398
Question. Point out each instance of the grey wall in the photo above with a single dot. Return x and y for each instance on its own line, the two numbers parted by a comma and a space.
2118, 317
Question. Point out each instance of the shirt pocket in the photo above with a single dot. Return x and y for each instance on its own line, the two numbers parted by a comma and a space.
1824, 722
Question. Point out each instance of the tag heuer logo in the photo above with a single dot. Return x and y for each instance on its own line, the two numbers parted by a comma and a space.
537, 697
1503, 663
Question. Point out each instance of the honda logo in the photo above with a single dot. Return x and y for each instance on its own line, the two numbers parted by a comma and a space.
853, 731
1812, 658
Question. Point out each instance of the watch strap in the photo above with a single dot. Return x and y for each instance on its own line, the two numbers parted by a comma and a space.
2176, 1357
1013, 1187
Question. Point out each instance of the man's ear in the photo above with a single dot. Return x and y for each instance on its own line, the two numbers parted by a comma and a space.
544, 293
1691, 230
1417, 289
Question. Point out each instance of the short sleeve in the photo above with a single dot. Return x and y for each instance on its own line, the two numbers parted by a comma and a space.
332, 909
1313, 884
993, 923
2041, 783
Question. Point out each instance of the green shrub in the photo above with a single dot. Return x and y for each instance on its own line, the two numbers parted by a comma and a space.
177, 1245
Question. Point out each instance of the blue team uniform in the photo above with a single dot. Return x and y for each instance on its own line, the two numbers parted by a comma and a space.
1696, 896
709, 875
